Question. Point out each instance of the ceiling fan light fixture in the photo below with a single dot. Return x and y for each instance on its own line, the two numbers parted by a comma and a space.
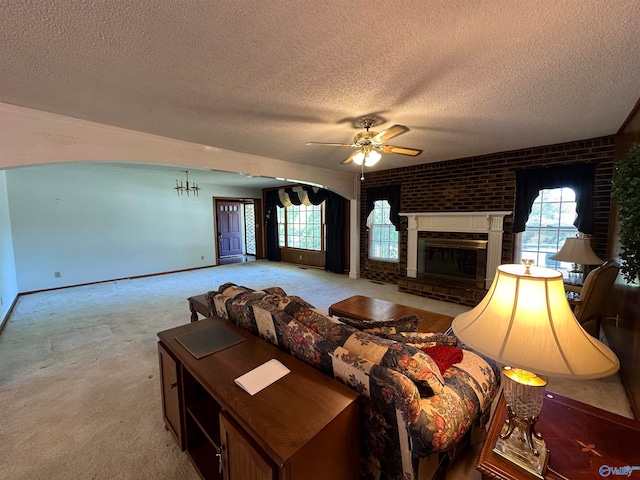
371, 159
371, 144
358, 158
367, 156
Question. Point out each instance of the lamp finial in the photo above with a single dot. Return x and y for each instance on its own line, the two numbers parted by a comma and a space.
527, 262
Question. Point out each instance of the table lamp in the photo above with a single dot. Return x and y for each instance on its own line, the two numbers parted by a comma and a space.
578, 251
526, 324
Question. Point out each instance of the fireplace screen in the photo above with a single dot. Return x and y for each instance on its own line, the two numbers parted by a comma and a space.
460, 260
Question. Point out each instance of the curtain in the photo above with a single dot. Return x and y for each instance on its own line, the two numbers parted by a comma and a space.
272, 201
392, 195
334, 221
579, 177
334, 211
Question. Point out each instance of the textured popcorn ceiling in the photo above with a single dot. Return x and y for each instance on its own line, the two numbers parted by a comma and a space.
264, 77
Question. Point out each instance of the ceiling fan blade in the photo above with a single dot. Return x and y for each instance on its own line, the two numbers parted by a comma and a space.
401, 150
331, 144
350, 158
394, 131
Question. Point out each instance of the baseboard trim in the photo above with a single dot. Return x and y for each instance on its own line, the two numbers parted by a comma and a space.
9, 312
117, 279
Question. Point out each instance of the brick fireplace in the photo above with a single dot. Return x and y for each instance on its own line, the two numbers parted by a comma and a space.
482, 183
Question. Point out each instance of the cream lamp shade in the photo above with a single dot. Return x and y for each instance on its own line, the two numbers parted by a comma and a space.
525, 321
577, 250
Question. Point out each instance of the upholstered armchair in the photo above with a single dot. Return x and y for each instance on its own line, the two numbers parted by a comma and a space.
593, 296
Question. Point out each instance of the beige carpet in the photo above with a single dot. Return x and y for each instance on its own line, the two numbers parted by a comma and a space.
79, 386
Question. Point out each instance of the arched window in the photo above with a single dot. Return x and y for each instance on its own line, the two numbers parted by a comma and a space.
550, 222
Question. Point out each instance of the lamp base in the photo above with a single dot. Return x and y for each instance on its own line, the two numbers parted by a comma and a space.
514, 449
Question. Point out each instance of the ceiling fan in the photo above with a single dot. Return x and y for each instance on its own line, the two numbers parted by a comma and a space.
371, 144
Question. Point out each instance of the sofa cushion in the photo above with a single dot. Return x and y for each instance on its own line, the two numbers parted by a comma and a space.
475, 374
422, 339
265, 322
235, 303
390, 404
275, 291
379, 331
316, 319
230, 289
355, 371
402, 358
278, 327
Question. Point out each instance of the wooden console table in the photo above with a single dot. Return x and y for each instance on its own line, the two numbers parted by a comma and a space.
581, 440
303, 426
367, 308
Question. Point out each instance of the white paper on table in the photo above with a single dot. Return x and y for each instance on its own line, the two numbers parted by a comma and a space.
260, 377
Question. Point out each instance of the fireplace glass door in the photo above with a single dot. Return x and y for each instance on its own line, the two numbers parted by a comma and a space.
462, 261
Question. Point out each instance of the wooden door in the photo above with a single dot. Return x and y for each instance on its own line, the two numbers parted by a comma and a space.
229, 219
242, 458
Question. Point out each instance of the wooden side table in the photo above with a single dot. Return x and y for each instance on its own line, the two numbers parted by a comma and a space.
584, 442
198, 304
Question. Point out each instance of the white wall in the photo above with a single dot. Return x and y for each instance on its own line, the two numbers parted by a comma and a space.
94, 222
31, 137
8, 280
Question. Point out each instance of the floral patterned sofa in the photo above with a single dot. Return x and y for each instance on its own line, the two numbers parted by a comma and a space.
416, 412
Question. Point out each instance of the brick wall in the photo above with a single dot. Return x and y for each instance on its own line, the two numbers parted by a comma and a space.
480, 184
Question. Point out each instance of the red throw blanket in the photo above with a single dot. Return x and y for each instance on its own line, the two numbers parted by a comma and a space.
444, 356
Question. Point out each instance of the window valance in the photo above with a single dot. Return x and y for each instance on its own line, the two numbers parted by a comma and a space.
308, 195
389, 193
579, 177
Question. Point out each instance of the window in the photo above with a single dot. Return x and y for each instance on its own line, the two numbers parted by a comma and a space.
282, 227
300, 226
383, 236
250, 227
550, 222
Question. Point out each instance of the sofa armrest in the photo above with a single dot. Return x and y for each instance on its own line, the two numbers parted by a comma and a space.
391, 402
471, 386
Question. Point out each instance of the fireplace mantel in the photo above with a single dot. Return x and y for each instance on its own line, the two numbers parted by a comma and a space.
490, 223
